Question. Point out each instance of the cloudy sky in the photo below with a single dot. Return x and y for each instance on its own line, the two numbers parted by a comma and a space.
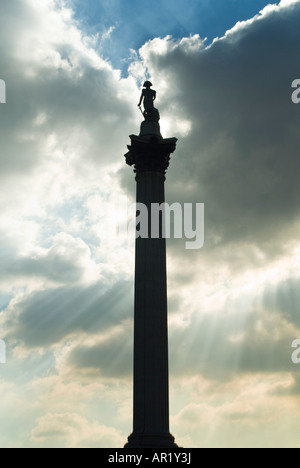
223, 71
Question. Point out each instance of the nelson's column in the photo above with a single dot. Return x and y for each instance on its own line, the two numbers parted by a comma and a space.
149, 153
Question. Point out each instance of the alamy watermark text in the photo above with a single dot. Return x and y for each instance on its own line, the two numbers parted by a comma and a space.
296, 353
158, 223
163, 220
296, 93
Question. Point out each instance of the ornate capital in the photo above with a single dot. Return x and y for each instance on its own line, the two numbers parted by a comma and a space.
150, 153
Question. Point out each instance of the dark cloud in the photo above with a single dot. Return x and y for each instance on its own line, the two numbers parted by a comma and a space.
241, 157
112, 357
44, 318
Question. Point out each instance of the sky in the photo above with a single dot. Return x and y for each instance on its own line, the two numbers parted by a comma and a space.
126, 25
223, 72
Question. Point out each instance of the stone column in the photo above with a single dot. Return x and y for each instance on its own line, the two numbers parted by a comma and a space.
150, 155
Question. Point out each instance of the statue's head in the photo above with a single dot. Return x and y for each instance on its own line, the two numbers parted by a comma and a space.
147, 84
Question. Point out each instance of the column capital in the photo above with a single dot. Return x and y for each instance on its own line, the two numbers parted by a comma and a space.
150, 154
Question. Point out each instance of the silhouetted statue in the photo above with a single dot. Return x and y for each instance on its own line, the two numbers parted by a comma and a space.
148, 97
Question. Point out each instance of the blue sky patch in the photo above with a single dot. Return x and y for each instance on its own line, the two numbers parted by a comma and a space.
128, 24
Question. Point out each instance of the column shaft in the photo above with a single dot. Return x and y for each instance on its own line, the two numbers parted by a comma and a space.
151, 395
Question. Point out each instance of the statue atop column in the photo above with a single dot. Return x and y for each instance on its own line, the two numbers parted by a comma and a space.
148, 97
